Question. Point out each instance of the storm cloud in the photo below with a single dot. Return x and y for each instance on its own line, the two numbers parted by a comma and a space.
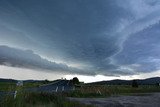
28, 59
94, 37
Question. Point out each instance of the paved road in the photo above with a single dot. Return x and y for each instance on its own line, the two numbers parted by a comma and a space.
139, 100
59, 86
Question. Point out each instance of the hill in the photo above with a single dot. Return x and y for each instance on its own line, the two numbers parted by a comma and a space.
148, 81
7, 80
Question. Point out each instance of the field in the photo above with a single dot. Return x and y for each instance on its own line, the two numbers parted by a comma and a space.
7, 86
106, 91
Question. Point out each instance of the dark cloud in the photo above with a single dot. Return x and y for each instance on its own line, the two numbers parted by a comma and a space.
28, 59
99, 36
142, 48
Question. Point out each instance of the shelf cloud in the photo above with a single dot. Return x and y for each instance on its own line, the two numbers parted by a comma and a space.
88, 37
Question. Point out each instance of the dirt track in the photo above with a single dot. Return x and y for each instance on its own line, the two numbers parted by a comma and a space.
137, 100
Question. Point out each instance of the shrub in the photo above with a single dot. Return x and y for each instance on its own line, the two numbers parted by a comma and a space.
134, 84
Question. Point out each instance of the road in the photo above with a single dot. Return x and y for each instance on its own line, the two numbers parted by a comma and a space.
137, 100
59, 86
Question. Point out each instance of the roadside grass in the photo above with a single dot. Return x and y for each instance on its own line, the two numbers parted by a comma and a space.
32, 84
121, 89
25, 99
11, 86
106, 91
7, 86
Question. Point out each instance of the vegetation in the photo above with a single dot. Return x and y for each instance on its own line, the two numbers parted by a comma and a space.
32, 84
105, 91
134, 84
24, 99
75, 80
10, 86
34, 99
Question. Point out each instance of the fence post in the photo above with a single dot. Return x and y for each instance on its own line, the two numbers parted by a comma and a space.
15, 94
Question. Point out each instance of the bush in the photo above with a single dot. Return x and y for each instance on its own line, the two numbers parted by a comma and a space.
75, 80
134, 84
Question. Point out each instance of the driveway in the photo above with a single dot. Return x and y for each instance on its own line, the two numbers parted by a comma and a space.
136, 100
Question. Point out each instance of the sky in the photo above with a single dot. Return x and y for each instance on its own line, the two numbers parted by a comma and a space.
92, 39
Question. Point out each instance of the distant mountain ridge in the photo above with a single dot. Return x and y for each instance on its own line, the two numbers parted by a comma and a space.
13, 80
148, 81
7, 80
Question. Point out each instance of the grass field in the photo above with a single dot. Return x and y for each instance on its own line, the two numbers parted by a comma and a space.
105, 91
11, 86
7, 86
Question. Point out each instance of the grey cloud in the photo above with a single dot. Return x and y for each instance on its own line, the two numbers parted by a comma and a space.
142, 48
28, 59
91, 33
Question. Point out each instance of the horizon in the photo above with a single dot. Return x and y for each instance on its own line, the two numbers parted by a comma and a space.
78, 79
85, 78
92, 40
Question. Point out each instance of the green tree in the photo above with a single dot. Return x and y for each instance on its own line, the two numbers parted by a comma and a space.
157, 84
75, 80
46, 81
134, 84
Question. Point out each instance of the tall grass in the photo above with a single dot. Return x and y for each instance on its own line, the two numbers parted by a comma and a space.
105, 91
7, 86
25, 99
